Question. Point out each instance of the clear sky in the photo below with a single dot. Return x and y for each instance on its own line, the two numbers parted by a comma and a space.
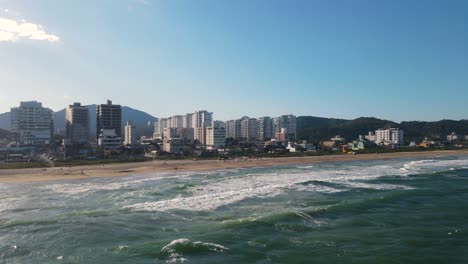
393, 59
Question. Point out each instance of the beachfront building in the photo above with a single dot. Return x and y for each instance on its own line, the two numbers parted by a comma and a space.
281, 136
76, 125
176, 121
452, 137
187, 120
219, 123
108, 140
361, 143
287, 123
159, 128
216, 137
109, 116
249, 129
390, 136
172, 141
233, 129
200, 121
265, 128
130, 134
202, 118
32, 122
186, 133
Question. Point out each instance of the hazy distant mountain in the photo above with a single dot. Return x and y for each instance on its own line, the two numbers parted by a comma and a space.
139, 118
5, 120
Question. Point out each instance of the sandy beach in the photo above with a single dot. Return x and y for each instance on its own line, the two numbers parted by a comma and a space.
140, 168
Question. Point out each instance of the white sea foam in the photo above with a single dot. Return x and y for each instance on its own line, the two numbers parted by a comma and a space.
176, 247
425, 166
102, 185
221, 191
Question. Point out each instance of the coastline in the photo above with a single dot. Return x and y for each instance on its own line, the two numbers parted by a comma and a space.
128, 169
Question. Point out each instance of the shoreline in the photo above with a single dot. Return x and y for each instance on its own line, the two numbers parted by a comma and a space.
129, 169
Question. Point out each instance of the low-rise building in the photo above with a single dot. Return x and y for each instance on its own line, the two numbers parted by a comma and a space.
452, 137
387, 137
109, 140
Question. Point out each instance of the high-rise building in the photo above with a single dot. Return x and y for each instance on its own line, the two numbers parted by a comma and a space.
187, 120
233, 129
249, 129
109, 116
159, 128
288, 123
76, 124
32, 122
186, 133
202, 118
216, 137
130, 134
176, 121
265, 128
200, 121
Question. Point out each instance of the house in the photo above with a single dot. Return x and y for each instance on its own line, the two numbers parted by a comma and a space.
329, 145
360, 144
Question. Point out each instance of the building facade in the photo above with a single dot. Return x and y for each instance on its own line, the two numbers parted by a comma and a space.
109, 116
130, 134
32, 122
108, 140
77, 124
390, 136
265, 128
216, 137
187, 120
233, 129
249, 129
288, 123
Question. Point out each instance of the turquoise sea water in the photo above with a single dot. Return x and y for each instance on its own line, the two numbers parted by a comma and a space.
393, 211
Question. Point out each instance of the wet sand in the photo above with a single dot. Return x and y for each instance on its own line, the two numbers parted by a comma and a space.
140, 168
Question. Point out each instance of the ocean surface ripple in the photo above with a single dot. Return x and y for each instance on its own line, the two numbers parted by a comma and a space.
393, 211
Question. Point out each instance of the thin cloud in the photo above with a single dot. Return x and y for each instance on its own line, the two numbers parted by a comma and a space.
10, 30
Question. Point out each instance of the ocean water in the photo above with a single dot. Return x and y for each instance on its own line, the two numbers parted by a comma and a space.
392, 211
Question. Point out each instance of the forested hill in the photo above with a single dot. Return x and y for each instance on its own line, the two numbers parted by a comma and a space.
316, 129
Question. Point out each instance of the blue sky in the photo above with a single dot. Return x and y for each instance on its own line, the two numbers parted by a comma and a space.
399, 60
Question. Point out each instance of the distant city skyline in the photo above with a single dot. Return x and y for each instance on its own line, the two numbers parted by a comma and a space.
393, 60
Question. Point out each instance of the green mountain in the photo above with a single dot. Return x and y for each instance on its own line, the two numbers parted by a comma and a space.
316, 129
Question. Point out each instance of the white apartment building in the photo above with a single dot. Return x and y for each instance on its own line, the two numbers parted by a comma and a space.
216, 137
130, 134
32, 122
200, 121
176, 121
159, 127
109, 140
389, 136
202, 118
187, 120
249, 129
233, 129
